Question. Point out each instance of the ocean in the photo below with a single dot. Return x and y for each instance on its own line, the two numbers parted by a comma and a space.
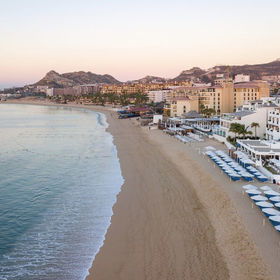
59, 178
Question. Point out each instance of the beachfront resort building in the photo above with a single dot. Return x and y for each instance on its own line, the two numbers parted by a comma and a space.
178, 106
246, 118
223, 98
260, 150
273, 125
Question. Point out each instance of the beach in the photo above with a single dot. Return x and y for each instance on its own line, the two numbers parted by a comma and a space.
178, 217
172, 219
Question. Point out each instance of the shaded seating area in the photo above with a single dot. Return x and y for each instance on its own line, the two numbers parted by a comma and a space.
230, 167
234, 169
267, 200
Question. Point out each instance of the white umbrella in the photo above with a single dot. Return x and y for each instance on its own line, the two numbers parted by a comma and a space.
271, 212
259, 198
266, 188
272, 193
253, 192
249, 187
264, 204
275, 199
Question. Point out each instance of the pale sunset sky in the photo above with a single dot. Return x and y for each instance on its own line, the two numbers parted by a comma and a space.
131, 38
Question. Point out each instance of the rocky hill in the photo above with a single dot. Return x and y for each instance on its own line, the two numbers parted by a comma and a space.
54, 79
149, 79
191, 74
257, 71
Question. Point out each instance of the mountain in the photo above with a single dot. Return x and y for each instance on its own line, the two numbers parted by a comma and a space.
56, 80
256, 71
149, 80
191, 74
82, 77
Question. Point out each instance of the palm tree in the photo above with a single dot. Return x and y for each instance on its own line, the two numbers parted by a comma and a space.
234, 127
243, 130
239, 129
255, 125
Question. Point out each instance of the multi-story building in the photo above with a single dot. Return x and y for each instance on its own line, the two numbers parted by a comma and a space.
223, 98
178, 106
129, 88
241, 78
246, 118
157, 95
273, 125
244, 92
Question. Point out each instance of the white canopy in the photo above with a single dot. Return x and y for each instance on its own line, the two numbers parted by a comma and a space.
266, 188
273, 193
275, 199
264, 204
275, 218
249, 187
259, 198
271, 211
256, 192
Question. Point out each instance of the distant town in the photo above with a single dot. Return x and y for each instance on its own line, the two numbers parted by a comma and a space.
241, 110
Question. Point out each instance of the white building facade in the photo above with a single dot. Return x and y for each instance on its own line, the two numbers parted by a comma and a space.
157, 96
241, 78
273, 125
246, 118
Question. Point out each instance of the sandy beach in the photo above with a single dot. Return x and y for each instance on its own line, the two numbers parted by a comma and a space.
178, 217
172, 220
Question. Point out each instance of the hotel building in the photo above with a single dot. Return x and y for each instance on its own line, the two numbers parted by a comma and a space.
273, 125
178, 106
223, 98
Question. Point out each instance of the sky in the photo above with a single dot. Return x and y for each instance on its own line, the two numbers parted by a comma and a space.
130, 39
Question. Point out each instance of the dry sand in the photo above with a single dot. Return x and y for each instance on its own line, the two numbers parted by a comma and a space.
172, 220
178, 218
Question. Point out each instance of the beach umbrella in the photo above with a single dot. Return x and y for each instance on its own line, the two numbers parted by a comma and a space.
266, 188
275, 220
264, 204
270, 212
275, 199
253, 192
259, 198
262, 178
277, 205
249, 187
277, 228
271, 193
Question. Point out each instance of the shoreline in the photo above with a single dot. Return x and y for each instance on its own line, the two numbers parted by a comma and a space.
163, 226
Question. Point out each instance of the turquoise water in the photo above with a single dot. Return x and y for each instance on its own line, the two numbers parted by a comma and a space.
59, 177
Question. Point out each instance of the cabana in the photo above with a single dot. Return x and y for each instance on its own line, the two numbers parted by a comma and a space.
264, 204
246, 176
275, 199
249, 187
258, 198
275, 220
270, 212
253, 192
272, 193
277, 205
266, 188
